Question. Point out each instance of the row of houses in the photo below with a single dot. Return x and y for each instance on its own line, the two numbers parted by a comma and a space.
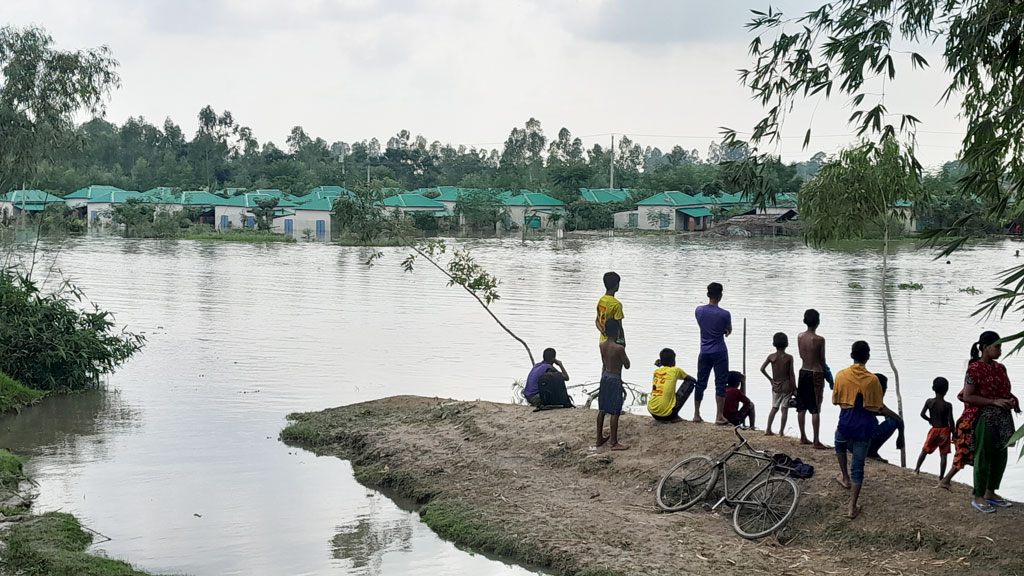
310, 214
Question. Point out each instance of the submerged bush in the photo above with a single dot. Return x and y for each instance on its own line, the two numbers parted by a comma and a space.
47, 343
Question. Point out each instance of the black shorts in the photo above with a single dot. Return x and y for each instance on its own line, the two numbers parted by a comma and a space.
809, 388
611, 394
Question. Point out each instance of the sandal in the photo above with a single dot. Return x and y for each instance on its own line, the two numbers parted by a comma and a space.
983, 508
1000, 503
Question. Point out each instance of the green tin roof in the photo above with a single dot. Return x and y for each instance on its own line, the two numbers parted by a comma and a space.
187, 198
532, 199
325, 204
27, 197
671, 198
115, 196
248, 200
695, 212
412, 201
90, 192
605, 195
321, 192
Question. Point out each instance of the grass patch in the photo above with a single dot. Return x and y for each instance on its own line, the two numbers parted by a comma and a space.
854, 285
54, 544
970, 290
10, 469
14, 395
18, 511
910, 286
249, 236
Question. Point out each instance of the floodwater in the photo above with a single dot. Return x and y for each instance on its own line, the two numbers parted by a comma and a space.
177, 461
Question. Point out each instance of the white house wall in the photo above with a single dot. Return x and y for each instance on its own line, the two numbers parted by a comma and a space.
306, 220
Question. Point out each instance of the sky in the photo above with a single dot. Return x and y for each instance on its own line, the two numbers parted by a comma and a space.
462, 71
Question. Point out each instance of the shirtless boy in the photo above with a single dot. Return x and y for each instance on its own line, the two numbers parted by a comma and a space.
939, 414
783, 381
811, 382
610, 396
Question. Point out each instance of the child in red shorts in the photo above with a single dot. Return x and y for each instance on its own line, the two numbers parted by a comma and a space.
939, 414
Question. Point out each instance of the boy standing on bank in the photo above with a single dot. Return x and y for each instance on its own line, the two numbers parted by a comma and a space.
715, 324
611, 393
783, 381
939, 414
811, 381
609, 307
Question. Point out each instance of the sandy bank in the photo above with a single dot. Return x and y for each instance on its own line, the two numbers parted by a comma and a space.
526, 485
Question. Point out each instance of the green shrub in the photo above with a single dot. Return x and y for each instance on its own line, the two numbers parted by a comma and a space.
47, 343
10, 469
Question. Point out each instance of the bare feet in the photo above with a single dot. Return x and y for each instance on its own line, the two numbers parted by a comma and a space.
820, 446
768, 433
601, 441
618, 446
698, 419
842, 481
854, 512
805, 441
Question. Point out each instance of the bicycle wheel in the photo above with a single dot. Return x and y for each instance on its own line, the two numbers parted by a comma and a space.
765, 508
687, 483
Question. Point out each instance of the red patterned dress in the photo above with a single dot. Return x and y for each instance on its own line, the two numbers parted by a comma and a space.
989, 380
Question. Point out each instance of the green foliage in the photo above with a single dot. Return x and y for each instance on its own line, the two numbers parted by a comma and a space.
855, 285
910, 286
857, 195
47, 343
583, 215
10, 469
13, 395
970, 290
41, 90
133, 215
54, 544
481, 210
263, 212
59, 219
425, 221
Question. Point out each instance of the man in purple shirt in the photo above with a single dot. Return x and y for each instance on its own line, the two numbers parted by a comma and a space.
532, 389
715, 324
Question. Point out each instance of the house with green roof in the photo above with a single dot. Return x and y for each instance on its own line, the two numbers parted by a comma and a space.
100, 206
534, 210
237, 211
410, 202
673, 210
321, 192
313, 215
606, 195
18, 201
79, 198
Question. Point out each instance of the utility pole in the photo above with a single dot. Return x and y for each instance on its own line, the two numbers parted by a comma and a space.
611, 166
367, 173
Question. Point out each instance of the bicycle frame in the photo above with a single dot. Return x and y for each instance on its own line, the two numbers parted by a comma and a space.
750, 453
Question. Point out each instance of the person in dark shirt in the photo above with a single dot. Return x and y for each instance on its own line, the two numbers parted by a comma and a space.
548, 364
738, 408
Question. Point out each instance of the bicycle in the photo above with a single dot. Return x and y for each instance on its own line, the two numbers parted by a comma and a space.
759, 510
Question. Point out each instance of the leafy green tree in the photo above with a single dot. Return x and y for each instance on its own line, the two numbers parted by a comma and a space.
860, 193
480, 210
263, 212
41, 89
134, 215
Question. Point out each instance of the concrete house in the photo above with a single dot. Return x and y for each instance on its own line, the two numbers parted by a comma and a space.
26, 201
168, 201
313, 216
236, 212
321, 192
534, 210
673, 211
79, 198
100, 207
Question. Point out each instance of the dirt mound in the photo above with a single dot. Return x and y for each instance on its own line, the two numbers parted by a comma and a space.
526, 485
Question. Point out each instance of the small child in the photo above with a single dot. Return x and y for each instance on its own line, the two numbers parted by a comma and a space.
939, 414
783, 381
732, 411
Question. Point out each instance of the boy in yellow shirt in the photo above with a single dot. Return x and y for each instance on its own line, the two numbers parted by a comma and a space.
609, 307
666, 400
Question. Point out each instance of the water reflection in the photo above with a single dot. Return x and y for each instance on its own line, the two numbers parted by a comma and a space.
369, 537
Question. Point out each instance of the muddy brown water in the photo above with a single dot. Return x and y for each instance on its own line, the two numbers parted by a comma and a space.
177, 460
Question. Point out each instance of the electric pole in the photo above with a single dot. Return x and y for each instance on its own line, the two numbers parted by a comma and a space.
611, 166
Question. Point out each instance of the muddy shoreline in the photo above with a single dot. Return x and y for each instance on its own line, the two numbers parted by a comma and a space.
528, 487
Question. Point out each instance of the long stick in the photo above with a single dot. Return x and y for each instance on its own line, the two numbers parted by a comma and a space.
885, 333
744, 355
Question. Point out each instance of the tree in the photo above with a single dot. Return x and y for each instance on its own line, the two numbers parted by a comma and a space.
860, 193
263, 212
41, 89
133, 214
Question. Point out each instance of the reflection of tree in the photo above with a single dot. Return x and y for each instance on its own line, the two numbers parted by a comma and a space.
67, 424
365, 541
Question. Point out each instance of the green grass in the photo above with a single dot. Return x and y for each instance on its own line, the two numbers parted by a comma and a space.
910, 286
8, 511
14, 395
970, 290
250, 236
854, 285
10, 469
54, 544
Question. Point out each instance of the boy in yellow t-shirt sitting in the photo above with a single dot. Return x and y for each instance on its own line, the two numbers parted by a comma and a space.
666, 400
